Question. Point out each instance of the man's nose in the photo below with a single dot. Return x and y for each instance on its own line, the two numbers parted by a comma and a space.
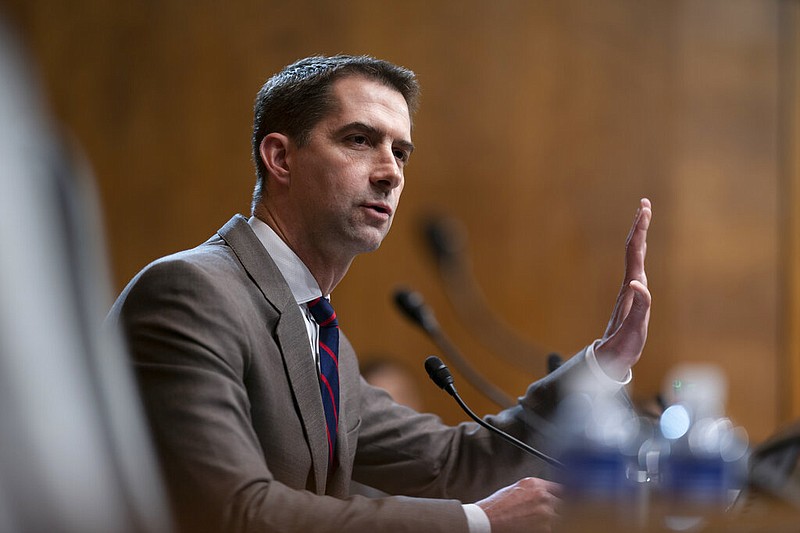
388, 173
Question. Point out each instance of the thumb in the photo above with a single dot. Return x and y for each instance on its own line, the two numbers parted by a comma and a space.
640, 308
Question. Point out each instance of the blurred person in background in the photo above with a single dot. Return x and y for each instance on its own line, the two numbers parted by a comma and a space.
395, 378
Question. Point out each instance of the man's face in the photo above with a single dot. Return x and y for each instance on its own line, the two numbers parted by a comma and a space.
345, 182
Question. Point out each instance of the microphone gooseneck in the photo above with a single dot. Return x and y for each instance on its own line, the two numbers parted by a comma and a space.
414, 308
440, 374
446, 240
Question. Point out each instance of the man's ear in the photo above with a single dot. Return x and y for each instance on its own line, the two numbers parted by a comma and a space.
273, 150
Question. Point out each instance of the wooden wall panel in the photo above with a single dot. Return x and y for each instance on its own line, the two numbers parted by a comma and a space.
542, 124
724, 232
790, 200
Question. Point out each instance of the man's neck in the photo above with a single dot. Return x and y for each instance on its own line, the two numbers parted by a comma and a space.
326, 270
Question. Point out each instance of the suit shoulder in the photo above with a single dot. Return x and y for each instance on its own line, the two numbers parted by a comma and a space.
206, 273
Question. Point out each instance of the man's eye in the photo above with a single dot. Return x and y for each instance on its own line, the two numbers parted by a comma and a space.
402, 155
359, 139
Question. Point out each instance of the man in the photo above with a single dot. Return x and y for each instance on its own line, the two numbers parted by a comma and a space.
253, 431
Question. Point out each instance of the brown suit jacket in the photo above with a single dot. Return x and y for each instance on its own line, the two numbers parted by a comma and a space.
225, 372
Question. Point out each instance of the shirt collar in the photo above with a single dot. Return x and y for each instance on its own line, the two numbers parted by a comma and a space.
302, 284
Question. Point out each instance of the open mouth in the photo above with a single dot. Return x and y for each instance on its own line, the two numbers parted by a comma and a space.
382, 209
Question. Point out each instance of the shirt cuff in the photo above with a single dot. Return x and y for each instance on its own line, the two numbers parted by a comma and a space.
606, 382
477, 520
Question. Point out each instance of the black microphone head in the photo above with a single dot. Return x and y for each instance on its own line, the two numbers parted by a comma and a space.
554, 361
445, 238
413, 307
439, 373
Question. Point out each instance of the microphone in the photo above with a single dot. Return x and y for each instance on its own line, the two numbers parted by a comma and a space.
414, 308
444, 239
440, 374
554, 361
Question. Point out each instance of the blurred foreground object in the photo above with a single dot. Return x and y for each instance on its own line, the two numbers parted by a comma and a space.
682, 473
704, 463
74, 453
775, 474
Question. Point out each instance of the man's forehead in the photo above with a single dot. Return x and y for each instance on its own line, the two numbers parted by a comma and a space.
355, 86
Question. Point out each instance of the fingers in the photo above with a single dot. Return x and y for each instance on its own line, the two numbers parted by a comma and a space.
635, 252
541, 488
641, 219
530, 504
636, 243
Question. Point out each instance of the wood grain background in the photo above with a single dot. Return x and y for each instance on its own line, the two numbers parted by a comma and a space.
542, 124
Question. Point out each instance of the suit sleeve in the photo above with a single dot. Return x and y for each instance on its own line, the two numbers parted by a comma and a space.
404, 452
191, 351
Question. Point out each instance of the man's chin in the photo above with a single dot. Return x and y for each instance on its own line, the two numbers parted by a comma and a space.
372, 246
371, 241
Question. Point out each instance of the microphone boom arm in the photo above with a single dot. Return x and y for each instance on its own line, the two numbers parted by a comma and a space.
440, 375
413, 307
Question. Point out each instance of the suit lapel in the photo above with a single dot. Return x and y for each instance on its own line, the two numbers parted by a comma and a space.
291, 337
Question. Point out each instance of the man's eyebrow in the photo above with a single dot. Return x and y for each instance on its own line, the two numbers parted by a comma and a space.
372, 131
406, 145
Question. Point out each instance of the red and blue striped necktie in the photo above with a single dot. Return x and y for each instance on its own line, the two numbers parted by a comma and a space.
325, 317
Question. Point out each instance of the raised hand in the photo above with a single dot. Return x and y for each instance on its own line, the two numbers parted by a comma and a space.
625, 336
